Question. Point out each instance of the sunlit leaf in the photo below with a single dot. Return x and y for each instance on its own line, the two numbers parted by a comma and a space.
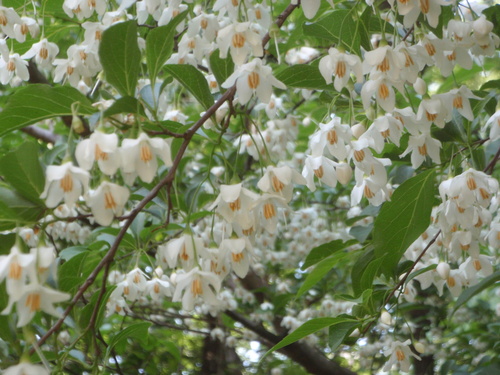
120, 56
402, 219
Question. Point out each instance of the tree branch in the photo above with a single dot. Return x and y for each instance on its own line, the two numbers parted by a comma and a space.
305, 355
42, 134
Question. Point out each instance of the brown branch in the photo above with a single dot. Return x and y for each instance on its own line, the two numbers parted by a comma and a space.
280, 20
42, 134
491, 166
307, 356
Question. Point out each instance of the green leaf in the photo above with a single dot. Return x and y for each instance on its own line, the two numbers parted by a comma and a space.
6, 243
24, 211
493, 14
35, 103
222, 68
337, 27
361, 232
138, 331
126, 104
22, 170
120, 56
321, 269
303, 77
403, 219
358, 270
338, 332
470, 292
160, 44
86, 313
309, 327
325, 250
194, 81
73, 272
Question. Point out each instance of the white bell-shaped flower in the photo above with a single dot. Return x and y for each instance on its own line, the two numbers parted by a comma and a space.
253, 78
102, 148
108, 201
139, 156
64, 182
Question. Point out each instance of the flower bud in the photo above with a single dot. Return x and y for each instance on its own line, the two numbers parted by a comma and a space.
344, 173
419, 347
77, 125
386, 318
358, 130
420, 86
443, 269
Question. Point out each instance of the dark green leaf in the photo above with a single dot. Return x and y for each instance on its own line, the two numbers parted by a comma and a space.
322, 251
222, 68
126, 104
403, 219
493, 14
23, 171
120, 56
338, 332
358, 270
24, 210
194, 81
6, 242
138, 331
34, 103
88, 310
337, 27
303, 77
73, 272
321, 269
361, 232
309, 327
160, 44
470, 292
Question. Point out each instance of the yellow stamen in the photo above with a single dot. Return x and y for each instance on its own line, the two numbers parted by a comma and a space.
269, 211
66, 183
145, 153
236, 205
33, 302
196, 288
319, 172
253, 80
238, 257
238, 40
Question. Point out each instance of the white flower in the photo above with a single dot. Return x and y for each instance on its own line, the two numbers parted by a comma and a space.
25, 368
181, 250
11, 66
321, 167
35, 297
27, 25
139, 156
234, 203
421, 146
340, 65
241, 40
239, 250
102, 148
400, 354
108, 201
65, 182
253, 78
280, 180
44, 52
196, 284
334, 135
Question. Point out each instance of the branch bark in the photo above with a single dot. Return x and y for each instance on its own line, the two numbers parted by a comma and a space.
307, 356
